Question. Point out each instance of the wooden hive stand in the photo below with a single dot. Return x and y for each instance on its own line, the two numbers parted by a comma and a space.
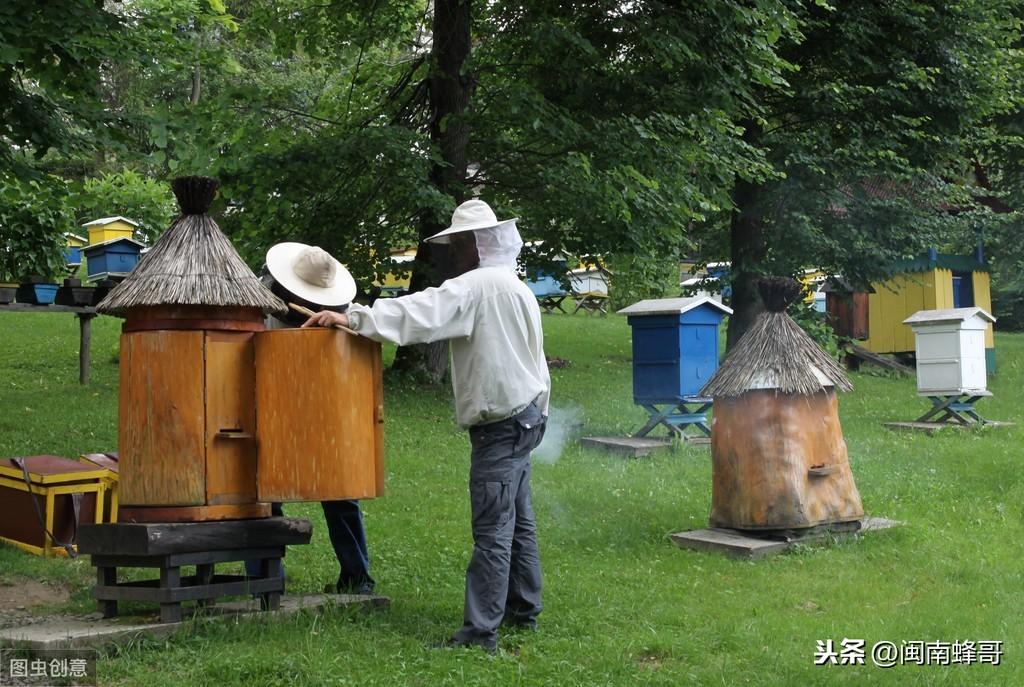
171, 546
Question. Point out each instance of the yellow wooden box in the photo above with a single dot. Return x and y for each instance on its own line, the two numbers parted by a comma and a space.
109, 228
108, 462
52, 482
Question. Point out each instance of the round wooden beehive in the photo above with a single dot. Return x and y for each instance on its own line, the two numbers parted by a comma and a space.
779, 460
217, 416
187, 416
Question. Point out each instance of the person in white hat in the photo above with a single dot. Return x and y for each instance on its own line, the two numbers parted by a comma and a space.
310, 277
501, 384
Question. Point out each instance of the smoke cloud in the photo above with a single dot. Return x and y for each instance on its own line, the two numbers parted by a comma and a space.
563, 425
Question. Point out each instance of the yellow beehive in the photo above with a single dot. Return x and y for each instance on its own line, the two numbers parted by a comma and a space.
42, 505
110, 228
905, 294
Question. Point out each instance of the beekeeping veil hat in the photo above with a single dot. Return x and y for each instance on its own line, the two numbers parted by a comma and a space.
311, 273
497, 242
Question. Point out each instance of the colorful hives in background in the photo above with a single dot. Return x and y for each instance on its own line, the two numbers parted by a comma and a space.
73, 244
933, 281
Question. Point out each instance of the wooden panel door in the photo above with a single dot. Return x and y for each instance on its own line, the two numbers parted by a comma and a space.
230, 418
318, 415
161, 415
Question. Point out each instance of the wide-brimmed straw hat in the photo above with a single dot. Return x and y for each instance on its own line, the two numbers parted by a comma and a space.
311, 273
470, 216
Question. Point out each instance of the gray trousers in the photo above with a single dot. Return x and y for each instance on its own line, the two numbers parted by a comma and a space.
503, 578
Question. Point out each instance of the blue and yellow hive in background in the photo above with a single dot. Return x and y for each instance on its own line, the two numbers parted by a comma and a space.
932, 281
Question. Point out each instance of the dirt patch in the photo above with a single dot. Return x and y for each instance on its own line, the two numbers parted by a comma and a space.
650, 662
18, 596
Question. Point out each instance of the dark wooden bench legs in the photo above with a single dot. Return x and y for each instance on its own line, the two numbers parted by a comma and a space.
204, 587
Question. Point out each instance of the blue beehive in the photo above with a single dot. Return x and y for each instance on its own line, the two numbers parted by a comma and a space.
675, 347
114, 257
544, 284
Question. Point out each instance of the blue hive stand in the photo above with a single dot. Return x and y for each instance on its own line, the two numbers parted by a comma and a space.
675, 352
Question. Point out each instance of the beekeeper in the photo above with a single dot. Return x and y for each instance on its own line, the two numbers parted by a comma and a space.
501, 384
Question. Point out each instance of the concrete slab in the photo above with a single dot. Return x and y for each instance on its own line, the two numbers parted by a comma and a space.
933, 427
873, 524
66, 632
632, 447
730, 542
753, 546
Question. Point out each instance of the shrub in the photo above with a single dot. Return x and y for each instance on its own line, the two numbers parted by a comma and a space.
34, 215
128, 194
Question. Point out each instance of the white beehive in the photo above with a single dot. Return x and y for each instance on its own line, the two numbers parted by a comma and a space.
950, 347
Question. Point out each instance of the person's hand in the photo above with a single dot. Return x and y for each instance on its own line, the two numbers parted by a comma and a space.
327, 318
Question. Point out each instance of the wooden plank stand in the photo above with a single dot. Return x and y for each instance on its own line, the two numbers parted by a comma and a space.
754, 545
631, 447
678, 416
170, 546
949, 410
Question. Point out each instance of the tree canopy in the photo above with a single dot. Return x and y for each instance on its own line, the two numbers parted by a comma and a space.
775, 133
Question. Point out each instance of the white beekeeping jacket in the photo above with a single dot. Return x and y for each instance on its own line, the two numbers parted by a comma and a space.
497, 344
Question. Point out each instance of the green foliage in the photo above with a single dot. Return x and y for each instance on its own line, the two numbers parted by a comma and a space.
636, 277
816, 325
871, 138
34, 215
1004, 251
612, 127
1008, 307
50, 70
128, 194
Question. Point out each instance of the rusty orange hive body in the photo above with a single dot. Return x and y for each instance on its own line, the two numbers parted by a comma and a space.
319, 415
780, 462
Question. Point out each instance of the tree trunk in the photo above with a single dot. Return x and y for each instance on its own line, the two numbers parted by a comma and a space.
449, 90
197, 80
748, 250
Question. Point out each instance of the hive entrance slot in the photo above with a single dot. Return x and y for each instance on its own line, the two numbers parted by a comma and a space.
822, 470
233, 433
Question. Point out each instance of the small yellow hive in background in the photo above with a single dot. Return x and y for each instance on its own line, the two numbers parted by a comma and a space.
110, 228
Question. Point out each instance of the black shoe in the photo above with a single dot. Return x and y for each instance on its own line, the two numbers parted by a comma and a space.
363, 588
453, 643
524, 625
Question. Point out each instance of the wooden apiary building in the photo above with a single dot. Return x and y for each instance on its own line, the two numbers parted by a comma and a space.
218, 417
932, 281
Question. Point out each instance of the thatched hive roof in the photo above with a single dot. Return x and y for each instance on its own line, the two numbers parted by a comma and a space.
775, 353
193, 263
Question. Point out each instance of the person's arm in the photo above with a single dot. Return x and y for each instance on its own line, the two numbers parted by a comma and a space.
445, 312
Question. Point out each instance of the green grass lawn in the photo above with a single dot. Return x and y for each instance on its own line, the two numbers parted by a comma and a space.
623, 605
